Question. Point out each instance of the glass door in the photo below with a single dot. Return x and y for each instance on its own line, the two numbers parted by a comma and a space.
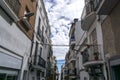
2, 76
8, 74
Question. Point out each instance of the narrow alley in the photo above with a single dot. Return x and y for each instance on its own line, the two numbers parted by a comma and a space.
59, 40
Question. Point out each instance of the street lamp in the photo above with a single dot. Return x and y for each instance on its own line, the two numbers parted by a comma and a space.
29, 14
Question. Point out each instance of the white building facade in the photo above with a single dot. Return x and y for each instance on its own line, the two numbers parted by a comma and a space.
41, 44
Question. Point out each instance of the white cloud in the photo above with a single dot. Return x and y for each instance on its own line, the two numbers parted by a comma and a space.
60, 52
61, 13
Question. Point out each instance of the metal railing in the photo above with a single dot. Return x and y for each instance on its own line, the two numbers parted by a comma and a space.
39, 61
14, 5
88, 8
93, 53
91, 6
96, 4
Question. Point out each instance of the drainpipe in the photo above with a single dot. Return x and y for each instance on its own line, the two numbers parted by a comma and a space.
31, 49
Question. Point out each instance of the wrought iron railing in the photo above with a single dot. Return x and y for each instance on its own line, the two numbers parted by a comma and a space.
96, 4
88, 8
39, 61
93, 53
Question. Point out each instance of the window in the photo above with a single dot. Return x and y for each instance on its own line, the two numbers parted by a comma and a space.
42, 29
39, 31
40, 51
42, 34
35, 56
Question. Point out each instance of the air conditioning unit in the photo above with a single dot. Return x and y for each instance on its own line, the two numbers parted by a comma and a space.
8, 10
27, 24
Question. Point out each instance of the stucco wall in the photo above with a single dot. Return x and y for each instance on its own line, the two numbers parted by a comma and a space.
111, 31
115, 21
11, 37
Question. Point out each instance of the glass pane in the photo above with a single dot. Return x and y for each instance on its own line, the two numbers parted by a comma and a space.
2, 76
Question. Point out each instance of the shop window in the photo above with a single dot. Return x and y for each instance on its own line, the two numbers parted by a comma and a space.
2, 76
5, 76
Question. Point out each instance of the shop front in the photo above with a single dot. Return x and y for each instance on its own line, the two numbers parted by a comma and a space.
10, 66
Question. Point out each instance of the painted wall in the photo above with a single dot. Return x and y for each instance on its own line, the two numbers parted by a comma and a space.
11, 37
78, 32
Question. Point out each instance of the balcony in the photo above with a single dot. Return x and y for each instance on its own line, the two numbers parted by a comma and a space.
92, 56
72, 73
10, 8
38, 62
88, 16
104, 7
72, 41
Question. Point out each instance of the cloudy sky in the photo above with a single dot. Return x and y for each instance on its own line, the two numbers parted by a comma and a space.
61, 14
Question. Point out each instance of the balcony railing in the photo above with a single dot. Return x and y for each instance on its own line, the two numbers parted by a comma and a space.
87, 10
14, 5
96, 4
104, 7
88, 16
39, 61
92, 55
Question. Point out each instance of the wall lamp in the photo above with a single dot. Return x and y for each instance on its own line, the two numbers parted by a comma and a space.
26, 15
25, 19
29, 14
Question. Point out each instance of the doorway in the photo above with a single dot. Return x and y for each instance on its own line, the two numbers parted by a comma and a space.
116, 72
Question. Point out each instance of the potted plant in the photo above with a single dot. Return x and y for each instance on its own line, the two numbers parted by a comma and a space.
96, 55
